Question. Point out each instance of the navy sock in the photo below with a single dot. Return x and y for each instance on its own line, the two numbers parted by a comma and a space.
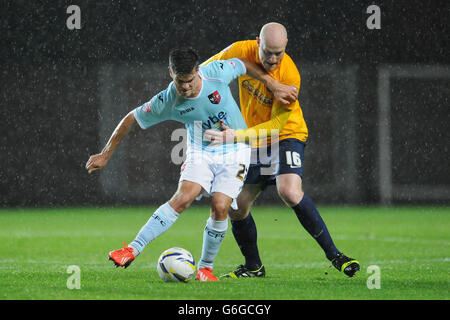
245, 233
309, 217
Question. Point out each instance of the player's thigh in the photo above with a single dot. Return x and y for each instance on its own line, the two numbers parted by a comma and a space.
290, 171
246, 197
196, 168
186, 193
229, 179
230, 173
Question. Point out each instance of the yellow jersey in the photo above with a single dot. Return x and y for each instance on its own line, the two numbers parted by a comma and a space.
257, 102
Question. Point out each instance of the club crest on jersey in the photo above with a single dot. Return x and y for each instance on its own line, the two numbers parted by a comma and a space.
214, 97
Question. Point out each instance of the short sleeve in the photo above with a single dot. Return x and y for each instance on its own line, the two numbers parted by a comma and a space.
226, 70
154, 111
290, 74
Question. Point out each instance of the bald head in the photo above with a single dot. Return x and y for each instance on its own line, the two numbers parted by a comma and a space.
272, 43
273, 34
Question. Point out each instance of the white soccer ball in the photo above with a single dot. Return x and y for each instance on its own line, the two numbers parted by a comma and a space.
176, 265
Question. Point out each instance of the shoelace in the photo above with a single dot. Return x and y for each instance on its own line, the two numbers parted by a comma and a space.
240, 270
127, 248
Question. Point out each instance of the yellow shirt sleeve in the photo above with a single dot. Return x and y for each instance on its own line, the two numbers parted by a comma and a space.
236, 50
278, 118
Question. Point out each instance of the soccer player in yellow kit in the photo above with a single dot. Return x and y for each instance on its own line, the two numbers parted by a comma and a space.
262, 111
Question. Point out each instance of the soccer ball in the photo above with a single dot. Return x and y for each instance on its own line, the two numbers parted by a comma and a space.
176, 265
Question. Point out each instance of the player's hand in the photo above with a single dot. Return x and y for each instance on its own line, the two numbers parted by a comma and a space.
284, 93
220, 137
96, 162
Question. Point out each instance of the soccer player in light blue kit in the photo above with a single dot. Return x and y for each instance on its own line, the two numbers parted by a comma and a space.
200, 97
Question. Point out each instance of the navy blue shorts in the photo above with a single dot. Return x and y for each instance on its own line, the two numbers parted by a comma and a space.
266, 163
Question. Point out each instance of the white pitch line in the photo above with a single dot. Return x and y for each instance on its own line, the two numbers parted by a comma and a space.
100, 265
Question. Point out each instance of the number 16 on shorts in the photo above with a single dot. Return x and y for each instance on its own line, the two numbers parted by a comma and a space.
293, 159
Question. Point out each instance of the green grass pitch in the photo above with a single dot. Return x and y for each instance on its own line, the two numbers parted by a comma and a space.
410, 246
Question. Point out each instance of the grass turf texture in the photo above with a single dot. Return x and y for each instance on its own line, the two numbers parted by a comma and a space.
410, 245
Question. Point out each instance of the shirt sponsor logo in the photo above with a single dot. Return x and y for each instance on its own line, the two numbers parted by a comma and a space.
256, 93
215, 120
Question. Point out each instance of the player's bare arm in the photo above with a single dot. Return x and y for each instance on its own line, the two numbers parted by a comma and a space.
216, 137
278, 120
98, 161
286, 94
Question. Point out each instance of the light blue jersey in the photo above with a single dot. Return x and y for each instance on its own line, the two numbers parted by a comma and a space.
213, 105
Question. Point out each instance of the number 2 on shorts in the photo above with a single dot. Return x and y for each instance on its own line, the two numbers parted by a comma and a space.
241, 173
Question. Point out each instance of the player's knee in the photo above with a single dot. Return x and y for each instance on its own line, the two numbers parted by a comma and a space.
219, 209
181, 201
291, 196
239, 214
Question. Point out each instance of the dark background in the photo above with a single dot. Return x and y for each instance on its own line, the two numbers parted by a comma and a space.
51, 94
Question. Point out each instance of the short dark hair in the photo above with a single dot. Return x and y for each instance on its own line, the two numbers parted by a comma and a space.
183, 60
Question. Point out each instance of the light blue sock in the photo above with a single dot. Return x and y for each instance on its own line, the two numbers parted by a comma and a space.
212, 239
158, 223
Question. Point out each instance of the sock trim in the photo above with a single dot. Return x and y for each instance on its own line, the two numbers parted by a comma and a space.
218, 226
